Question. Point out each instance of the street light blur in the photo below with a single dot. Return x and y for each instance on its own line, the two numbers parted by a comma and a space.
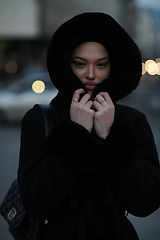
11, 67
151, 66
38, 86
143, 69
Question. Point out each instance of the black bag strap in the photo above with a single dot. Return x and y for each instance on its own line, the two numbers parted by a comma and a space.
49, 117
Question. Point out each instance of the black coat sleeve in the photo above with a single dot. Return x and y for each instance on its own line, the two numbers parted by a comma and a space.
132, 164
74, 144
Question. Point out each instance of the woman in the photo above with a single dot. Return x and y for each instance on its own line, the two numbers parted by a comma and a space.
99, 161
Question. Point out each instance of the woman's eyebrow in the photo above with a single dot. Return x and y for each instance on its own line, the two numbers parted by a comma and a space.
103, 58
86, 59
80, 58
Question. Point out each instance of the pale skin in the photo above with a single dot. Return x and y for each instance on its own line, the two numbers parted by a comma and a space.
90, 62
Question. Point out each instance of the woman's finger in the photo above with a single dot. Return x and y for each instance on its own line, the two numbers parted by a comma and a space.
85, 99
106, 97
101, 100
76, 95
97, 105
89, 104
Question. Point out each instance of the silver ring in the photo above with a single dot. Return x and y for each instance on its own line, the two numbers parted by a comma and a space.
75, 99
102, 100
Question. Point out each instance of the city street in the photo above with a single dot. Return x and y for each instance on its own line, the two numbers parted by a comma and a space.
147, 228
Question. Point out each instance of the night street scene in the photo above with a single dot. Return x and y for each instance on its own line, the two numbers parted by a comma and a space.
25, 32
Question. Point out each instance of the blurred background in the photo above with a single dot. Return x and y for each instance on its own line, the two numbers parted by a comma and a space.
25, 30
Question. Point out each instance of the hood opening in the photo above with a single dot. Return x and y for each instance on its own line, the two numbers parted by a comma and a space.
125, 57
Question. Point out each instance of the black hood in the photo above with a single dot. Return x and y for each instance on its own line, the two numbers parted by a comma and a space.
96, 27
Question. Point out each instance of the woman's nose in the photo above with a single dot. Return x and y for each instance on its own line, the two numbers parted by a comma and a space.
90, 73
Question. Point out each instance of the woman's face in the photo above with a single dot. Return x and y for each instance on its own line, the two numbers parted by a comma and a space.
91, 64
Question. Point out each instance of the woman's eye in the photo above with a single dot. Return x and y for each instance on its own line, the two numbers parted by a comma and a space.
101, 65
80, 65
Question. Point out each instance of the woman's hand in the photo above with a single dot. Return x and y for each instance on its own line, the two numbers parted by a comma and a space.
81, 112
104, 116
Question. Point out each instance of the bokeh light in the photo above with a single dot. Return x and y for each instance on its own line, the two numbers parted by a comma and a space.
38, 86
147, 63
158, 64
143, 69
151, 67
11, 67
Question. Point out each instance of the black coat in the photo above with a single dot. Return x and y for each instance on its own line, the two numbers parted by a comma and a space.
82, 184
89, 194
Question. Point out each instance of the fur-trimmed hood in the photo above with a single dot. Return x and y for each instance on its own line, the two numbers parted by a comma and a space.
98, 27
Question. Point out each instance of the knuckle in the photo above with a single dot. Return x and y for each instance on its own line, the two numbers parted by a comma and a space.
98, 114
106, 94
87, 95
113, 107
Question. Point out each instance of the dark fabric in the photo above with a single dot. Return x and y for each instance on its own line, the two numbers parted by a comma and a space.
88, 199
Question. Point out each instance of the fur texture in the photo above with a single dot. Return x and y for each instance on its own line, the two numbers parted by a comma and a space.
119, 148
102, 28
69, 139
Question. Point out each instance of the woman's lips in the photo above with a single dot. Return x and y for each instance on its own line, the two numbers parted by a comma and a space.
90, 85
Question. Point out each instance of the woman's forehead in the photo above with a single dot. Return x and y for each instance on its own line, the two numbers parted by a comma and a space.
90, 48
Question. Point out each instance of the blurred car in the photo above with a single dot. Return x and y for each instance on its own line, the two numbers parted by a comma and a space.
19, 97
